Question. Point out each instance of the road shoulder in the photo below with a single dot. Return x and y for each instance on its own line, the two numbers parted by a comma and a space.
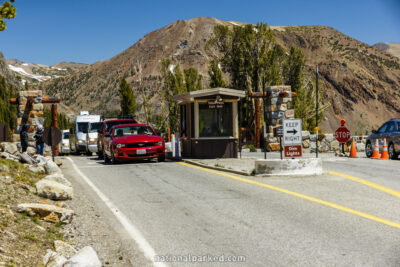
95, 225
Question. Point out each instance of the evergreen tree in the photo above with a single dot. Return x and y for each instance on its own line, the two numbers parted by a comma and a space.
128, 101
7, 11
192, 80
8, 112
215, 73
294, 68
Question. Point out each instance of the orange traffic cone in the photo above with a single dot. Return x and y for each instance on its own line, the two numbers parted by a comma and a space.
385, 154
375, 155
353, 150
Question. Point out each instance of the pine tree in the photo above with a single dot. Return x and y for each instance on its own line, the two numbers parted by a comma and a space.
7, 11
294, 68
8, 112
128, 101
192, 80
215, 73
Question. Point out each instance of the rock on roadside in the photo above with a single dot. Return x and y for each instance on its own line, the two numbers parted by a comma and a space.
59, 178
64, 249
44, 210
54, 190
51, 167
10, 148
25, 158
86, 257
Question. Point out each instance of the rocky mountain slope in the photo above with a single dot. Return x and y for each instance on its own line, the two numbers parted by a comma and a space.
391, 48
34, 73
361, 83
8, 74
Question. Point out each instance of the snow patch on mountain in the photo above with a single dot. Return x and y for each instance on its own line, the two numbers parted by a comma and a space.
25, 73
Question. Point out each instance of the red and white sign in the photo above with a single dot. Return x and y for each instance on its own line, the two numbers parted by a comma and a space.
342, 134
293, 151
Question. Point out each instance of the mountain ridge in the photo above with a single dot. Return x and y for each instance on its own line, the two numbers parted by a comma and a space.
360, 81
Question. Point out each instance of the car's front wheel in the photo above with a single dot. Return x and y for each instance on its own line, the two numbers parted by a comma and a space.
113, 159
368, 149
105, 157
161, 158
391, 152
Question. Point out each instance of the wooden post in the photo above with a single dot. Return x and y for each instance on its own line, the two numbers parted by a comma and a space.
54, 122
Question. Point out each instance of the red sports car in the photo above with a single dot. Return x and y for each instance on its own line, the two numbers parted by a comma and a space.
133, 141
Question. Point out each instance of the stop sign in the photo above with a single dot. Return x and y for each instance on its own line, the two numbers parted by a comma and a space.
342, 134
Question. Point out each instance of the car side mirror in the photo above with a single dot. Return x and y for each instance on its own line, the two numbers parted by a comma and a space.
374, 131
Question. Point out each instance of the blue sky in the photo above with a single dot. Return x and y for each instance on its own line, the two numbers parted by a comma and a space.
50, 31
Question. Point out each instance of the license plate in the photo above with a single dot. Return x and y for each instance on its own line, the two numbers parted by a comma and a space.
141, 151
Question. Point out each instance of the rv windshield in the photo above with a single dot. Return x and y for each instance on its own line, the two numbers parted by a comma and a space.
94, 127
83, 127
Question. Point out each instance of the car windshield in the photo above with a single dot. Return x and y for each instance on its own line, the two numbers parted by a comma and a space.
133, 130
65, 135
94, 127
110, 124
83, 127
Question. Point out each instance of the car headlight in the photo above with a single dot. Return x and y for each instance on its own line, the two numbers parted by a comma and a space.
159, 143
80, 141
121, 145
92, 140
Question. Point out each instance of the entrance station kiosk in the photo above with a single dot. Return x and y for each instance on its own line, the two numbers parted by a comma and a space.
209, 122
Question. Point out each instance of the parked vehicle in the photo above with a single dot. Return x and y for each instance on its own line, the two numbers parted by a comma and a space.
78, 133
133, 141
92, 136
64, 144
106, 125
389, 130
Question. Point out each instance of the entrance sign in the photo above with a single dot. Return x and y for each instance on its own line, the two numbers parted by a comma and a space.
216, 104
342, 134
292, 132
293, 151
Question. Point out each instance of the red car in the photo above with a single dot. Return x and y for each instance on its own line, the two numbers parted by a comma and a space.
133, 141
105, 127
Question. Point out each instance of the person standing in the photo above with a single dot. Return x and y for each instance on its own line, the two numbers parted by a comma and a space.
39, 139
24, 137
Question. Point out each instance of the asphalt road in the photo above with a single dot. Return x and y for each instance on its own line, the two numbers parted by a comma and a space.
174, 211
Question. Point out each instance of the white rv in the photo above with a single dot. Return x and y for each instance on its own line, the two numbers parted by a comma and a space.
79, 140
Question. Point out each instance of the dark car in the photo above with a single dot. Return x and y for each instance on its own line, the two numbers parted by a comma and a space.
389, 130
105, 127
133, 141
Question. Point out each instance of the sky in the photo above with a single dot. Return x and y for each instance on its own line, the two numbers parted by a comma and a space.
86, 31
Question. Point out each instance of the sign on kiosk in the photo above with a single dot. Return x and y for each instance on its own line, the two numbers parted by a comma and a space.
292, 137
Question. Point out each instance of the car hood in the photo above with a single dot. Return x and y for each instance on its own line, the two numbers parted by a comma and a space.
137, 138
93, 135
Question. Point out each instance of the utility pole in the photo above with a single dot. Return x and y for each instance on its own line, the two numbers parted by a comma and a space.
265, 123
316, 112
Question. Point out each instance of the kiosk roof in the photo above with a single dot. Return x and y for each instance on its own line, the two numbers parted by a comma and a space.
191, 96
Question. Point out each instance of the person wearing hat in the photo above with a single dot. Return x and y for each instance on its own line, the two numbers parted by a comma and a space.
24, 137
39, 139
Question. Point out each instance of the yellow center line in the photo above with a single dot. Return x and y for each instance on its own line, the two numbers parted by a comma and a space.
288, 192
367, 183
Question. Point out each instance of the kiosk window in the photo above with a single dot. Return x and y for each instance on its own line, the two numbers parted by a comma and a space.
215, 122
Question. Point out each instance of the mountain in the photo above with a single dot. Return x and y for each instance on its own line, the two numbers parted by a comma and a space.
361, 83
8, 74
391, 48
34, 73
